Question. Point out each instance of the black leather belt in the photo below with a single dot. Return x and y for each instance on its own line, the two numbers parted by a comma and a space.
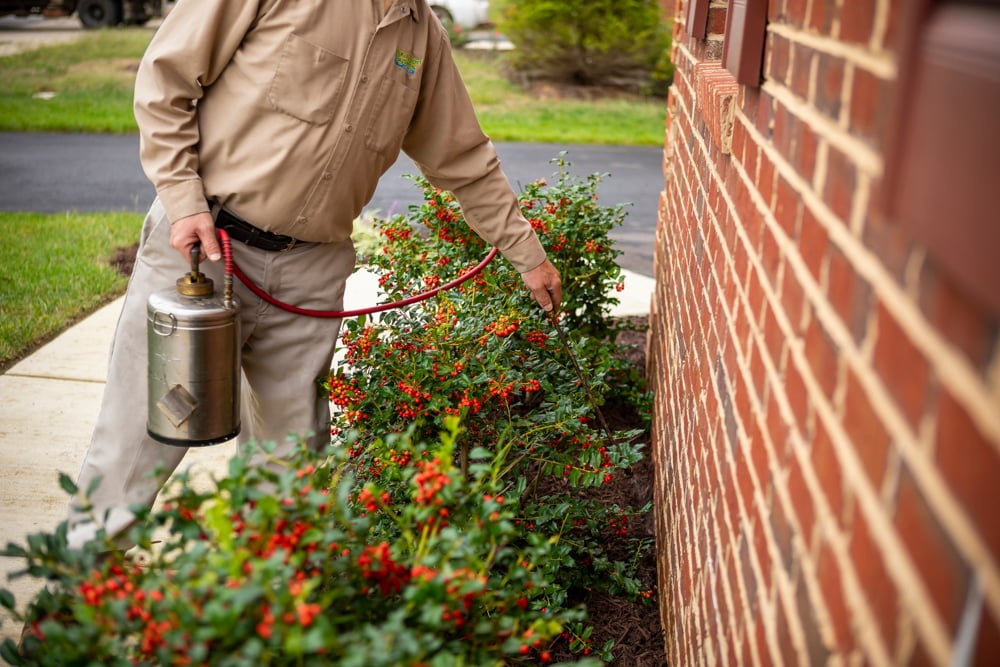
243, 231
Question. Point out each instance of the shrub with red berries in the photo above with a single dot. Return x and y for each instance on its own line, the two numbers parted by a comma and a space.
444, 526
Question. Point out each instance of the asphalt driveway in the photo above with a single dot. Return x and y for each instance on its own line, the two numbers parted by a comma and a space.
52, 173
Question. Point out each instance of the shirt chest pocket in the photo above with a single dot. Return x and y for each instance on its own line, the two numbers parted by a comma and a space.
307, 81
390, 118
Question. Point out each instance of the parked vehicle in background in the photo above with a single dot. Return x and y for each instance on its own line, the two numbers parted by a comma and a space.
92, 13
465, 14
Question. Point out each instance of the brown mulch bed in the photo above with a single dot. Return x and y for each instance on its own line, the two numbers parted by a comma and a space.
634, 627
123, 259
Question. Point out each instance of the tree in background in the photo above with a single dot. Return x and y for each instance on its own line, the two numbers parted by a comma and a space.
622, 43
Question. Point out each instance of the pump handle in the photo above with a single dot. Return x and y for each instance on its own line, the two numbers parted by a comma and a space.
195, 257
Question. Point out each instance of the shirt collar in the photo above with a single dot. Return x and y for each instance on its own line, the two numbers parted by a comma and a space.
411, 7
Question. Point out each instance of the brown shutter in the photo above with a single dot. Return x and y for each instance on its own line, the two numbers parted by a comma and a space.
746, 27
945, 170
697, 18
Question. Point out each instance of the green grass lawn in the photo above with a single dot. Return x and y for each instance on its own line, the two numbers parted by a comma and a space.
54, 269
509, 113
86, 86
83, 86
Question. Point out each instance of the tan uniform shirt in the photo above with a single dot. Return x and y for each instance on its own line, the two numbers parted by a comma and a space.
288, 112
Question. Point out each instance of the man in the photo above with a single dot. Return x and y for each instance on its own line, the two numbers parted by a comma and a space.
275, 119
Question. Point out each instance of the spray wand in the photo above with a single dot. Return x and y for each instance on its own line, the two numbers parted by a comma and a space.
580, 375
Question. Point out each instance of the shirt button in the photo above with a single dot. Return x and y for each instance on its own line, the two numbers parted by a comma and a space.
301, 220
364, 78
349, 128
327, 176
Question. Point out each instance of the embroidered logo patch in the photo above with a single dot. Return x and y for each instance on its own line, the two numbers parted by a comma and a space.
407, 61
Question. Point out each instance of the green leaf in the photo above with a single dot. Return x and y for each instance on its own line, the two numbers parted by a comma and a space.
92, 487
216, 518
13, 551
268, 506
6, 599
68, 485
9, 652
480, 453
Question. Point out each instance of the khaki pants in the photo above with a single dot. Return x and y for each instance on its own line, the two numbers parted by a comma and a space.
283, 354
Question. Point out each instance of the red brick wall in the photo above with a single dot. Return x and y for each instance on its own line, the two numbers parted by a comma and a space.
827, 419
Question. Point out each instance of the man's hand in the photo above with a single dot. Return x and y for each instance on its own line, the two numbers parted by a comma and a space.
545, 286
185, 232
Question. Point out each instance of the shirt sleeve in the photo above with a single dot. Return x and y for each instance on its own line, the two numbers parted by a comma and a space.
188, 52
447, 143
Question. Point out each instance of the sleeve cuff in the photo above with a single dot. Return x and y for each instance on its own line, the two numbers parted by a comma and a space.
183, 199
526, 255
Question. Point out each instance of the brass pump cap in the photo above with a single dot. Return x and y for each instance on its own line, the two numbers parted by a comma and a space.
195, 283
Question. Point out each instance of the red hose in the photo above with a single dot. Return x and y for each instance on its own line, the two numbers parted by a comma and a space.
232, 268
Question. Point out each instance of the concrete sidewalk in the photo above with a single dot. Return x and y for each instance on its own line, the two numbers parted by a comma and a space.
48, 405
